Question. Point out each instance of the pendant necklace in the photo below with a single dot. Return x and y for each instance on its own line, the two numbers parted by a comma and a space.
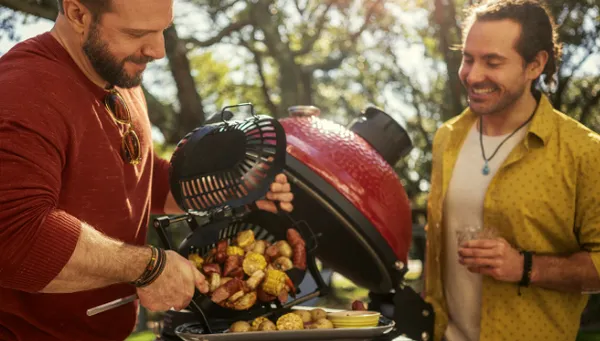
486, 169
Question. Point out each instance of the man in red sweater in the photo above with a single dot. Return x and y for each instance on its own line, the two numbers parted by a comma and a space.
73, 207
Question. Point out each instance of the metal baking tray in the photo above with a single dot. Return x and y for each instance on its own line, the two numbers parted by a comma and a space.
187, 333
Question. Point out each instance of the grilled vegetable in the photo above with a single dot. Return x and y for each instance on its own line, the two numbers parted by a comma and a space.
318, 314
304, 314
234, 251
197, 260
245, 238
236, 296
267, 326
274, 282
240, 327
290, 321
283, 263
255, 279
284, 249
253, 262
259, 247
215, 281
321, 324
245, 302
257, 321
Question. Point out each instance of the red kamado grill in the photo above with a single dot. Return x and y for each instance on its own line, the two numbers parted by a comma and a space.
349, 206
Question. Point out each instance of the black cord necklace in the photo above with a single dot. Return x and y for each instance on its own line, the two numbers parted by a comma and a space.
486, 168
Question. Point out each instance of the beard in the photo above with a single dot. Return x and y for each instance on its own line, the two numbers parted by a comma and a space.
107, 65
500, 103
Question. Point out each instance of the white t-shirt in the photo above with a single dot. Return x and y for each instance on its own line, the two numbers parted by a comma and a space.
464, 205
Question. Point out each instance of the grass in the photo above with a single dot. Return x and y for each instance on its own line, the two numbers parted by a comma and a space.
143, 336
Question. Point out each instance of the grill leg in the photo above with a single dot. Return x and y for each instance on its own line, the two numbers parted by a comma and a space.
413, 316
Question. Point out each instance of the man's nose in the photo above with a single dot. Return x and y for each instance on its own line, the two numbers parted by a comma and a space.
155, 48
475, 74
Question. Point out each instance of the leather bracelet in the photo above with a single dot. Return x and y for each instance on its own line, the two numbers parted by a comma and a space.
527, 267
154, 268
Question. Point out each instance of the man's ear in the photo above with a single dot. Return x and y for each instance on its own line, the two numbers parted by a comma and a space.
78, 16
537, 66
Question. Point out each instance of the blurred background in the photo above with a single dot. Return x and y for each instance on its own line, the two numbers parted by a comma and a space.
339, 55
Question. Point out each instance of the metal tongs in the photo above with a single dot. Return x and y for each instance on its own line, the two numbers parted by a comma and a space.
111, 305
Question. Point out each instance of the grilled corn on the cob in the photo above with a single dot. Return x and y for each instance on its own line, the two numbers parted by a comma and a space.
274, 282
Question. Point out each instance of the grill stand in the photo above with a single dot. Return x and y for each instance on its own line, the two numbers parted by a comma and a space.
414, 317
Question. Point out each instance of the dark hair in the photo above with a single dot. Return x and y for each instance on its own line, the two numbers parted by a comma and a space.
97, 7
538, 30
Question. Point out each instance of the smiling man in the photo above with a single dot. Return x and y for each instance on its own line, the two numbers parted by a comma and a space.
79, 177
522, 174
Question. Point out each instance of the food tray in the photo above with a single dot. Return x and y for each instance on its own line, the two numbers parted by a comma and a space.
186, 333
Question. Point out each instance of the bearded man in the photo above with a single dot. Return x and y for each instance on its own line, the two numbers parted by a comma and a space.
79, 177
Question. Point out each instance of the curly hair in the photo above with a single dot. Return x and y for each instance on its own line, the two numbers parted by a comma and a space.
538, 29
97, 7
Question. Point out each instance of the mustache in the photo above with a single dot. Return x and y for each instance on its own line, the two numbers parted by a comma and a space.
138, 60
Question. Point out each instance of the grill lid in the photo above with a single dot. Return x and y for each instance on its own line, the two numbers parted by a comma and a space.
352, 198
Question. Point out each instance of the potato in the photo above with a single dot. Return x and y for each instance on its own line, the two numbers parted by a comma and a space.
304, 314
285, 249
318, 314
258, 321
259, 247
267, 326
240, 327
322, 324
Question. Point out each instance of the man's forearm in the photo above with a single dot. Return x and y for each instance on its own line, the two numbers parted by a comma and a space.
575, 273
99, 261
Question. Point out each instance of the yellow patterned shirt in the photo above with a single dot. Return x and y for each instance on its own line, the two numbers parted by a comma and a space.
544, 198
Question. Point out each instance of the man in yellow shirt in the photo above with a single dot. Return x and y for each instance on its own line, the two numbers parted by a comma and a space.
526, 176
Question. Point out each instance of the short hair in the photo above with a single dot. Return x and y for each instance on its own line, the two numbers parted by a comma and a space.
538, 29
97, 7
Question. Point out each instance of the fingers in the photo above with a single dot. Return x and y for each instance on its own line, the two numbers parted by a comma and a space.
269, 206
277, 187
479, 262
481, 243
200, 282
281, 178
283, 197
480, 253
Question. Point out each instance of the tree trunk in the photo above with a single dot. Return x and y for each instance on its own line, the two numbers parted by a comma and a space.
449, 33
191, 112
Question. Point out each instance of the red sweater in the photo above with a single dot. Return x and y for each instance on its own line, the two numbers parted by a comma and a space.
60, 165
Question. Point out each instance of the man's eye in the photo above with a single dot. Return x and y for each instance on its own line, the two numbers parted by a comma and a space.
136, 34
493, 65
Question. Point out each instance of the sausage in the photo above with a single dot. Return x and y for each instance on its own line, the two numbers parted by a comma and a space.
231, 264
358, 305
294, 238
221, 252
263, 296
221, 257
299, 256
210, 268
272, 251
237, 273
226, 290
